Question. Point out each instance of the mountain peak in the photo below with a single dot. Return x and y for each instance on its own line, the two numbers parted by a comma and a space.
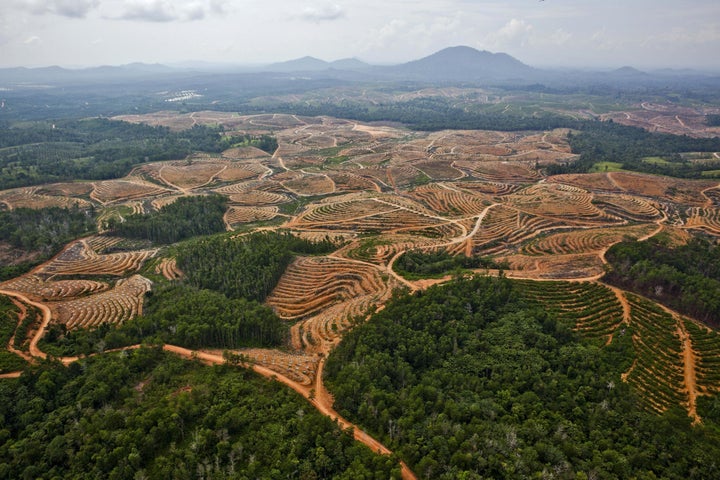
303, 64
463, 63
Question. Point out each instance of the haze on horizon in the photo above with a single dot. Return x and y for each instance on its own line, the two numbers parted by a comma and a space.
551, 33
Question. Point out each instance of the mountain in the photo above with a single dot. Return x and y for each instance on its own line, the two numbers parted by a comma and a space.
349, 64
55, 74
304, 64
463, 64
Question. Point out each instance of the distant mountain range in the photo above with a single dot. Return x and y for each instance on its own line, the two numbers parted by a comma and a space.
449, 64
459, 64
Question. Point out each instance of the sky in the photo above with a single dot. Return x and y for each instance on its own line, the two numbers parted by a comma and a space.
644, 34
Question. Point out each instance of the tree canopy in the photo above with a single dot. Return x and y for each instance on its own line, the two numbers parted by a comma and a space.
467, 381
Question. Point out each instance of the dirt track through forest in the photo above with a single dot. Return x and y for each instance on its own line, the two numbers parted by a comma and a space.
317, 396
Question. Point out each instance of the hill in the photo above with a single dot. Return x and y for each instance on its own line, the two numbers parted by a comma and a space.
462, 64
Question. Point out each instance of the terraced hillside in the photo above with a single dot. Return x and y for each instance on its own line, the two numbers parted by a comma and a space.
378, 191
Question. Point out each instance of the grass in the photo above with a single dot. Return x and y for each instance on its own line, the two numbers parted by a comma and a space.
655, 161
711, 173
336, 160
607, 167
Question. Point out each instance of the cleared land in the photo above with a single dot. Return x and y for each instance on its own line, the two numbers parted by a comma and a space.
381, 191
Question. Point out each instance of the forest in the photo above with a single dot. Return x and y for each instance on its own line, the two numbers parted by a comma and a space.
431, 114
712, 120
686, 278
186, 217
467, 381
599, 142
415, 264
180, 315
9, 362
246, 267
98, 148
41, 233
216, 304
147, 414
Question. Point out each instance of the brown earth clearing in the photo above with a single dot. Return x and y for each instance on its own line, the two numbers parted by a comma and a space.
381, 191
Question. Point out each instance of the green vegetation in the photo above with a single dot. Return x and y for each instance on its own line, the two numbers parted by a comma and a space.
98, 148
609, 143
685, 278
186, 217
180, 315
606, 167
215, 305
712, 120
44, 230
266, 143
246, 267
466, 381
336, 160
9, 362
146, 414
202, 318
41, 233
432, 114
414, 264
656, 161
592, 309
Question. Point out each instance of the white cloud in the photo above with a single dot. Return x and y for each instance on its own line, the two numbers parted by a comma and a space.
321, 13
32, 40
513, 33
559, 37
170, 10
65, 8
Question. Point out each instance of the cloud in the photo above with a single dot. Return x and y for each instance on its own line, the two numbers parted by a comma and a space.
32, 40
162, 11
321, 13
512, 33
65, 8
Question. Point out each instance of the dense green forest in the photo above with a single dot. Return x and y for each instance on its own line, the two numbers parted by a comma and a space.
41, 233
466, 381
415, 264
598, 142
181, 315
686, 278
184, 218
243, 267
9, 362
431, 114
203, 318
146, 414
712, 120
99, 148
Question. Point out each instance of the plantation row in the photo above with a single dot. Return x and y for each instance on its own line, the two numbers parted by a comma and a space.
706, 347
658, 371
236, 215
114, 191
30, 197
295, 366
313, 283
584, 241
504, 227
115, 306
627, 207
706, 219
591, 309
451, 202
80, 259
53, 290
168, 268
501, 172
